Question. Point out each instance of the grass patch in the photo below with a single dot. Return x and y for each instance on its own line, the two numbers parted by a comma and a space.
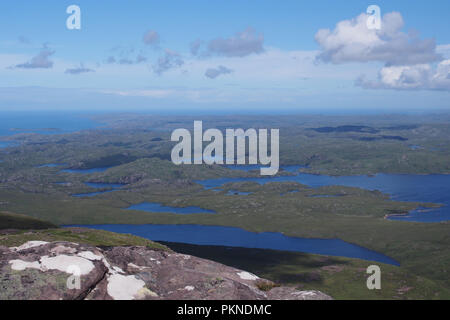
78, 235
9, 220
265, 285
341, 278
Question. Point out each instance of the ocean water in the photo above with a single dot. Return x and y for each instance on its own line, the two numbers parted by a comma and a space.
6, 144
43, 122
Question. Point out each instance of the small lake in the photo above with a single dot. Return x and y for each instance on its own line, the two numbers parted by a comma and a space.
85, 171
401, 187
236, 237
252, 167
52, 165
111, 186
157, 207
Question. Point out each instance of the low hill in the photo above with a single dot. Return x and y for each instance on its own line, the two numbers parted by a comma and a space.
9, 220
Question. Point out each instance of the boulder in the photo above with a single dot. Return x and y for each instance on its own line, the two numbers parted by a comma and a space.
66, 270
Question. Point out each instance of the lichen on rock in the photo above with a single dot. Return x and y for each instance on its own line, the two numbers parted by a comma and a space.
41, 270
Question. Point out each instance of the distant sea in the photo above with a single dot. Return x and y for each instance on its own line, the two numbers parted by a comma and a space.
44, 122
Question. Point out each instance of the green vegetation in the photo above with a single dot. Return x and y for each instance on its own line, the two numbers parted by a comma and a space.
421, 144
389, 144
341, 278
10, 220
356, 216
266, 285
79, 235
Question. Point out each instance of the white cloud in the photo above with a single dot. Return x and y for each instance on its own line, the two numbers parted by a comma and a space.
213, 73
409, 62
417, 77
444, 50
276, 67
241, 44
169, 60
352, 41
39, 61
195, 46
78, 70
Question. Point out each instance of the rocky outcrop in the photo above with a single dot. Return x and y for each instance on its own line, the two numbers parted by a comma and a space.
65, 270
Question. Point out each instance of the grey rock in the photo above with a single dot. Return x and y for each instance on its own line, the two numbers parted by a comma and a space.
39, 270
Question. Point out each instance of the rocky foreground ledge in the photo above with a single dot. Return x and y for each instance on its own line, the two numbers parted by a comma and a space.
66, 270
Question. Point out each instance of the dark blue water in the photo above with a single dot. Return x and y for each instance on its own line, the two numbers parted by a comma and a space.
43, 122
111, 186
90, 194
85, 171
236, 237
417, 215
420, 188
6, 144
52, 165
104, 185
292, 191
251, 167
63, 183
157, 207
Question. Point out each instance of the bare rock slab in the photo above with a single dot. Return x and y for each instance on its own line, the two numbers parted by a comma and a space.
65, 271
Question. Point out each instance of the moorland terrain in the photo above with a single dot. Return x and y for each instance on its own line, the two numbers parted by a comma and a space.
37, 185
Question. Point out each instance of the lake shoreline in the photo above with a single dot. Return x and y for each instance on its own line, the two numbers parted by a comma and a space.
214, 235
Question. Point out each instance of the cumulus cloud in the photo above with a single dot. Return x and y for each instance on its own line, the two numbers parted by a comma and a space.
240, 45
151, 38
416, 77
78, 70
171, 59
352, 41
195, 46
444, 50
40, 61
126, 59
213, 73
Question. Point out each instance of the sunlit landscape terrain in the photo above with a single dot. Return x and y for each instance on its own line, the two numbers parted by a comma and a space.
239, 151
114, 179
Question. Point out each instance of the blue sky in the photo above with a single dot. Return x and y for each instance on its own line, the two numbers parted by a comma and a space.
258, 55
